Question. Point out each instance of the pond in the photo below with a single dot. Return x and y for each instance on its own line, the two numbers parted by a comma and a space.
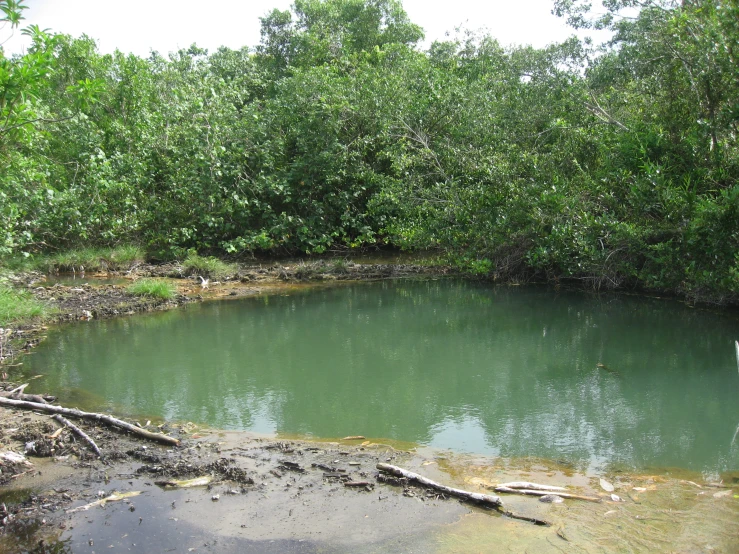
611, 381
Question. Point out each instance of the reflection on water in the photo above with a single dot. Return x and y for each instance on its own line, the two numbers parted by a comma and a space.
512, 371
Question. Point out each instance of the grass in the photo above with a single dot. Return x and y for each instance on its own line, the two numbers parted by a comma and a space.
209, 267
153, 288
18, 306
91, 259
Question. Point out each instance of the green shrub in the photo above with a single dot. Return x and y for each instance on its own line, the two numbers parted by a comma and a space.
153, 288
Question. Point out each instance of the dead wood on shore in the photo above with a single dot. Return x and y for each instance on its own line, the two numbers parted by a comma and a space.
80, 433
18, 394
531, 486
488, 500
530, 492
74, 412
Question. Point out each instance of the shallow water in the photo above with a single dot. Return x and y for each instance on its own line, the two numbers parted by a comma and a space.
611, 381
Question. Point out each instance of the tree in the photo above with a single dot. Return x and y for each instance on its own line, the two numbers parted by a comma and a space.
323, 30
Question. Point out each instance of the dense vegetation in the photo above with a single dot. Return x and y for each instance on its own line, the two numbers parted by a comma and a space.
616, 166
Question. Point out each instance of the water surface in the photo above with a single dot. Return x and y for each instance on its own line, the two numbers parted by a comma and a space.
513, 371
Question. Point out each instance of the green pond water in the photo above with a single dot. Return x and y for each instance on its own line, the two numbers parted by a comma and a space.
595, 381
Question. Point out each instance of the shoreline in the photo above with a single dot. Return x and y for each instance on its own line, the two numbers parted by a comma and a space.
253, 480
84, 301
268, 491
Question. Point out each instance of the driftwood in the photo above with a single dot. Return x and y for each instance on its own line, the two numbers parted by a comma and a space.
529, 492
484, 499
80, 433
74, 412
530, 486
18, 394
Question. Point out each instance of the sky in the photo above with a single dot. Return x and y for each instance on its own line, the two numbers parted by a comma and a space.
140, 26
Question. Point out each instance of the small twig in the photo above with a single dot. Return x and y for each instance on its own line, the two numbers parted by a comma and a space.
16, 392
79, 432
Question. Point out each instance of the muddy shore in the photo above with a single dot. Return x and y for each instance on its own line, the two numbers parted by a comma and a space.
268, 494
284, 494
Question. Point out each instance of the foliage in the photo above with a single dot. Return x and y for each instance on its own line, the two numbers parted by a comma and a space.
154, 288
614, 168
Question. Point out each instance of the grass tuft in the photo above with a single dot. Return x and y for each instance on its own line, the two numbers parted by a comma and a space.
91, 259
19, 305
209, 267
153, 288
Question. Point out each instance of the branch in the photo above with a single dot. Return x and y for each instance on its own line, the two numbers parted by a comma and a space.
32, 121
603, 115
74, 412
80, 433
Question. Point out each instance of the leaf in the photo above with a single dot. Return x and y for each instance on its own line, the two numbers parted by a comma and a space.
606, 486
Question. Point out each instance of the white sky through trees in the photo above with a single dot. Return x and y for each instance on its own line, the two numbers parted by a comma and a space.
139, 26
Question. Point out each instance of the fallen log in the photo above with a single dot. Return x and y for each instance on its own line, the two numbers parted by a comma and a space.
74, 412
484, 499
529, 492
18, 394
530, 486
487, 499
28, 397
80, 433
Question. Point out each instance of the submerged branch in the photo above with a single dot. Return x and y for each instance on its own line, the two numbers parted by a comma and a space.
484, 499
530, 492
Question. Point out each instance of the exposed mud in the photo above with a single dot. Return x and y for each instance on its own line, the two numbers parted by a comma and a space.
269, 495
